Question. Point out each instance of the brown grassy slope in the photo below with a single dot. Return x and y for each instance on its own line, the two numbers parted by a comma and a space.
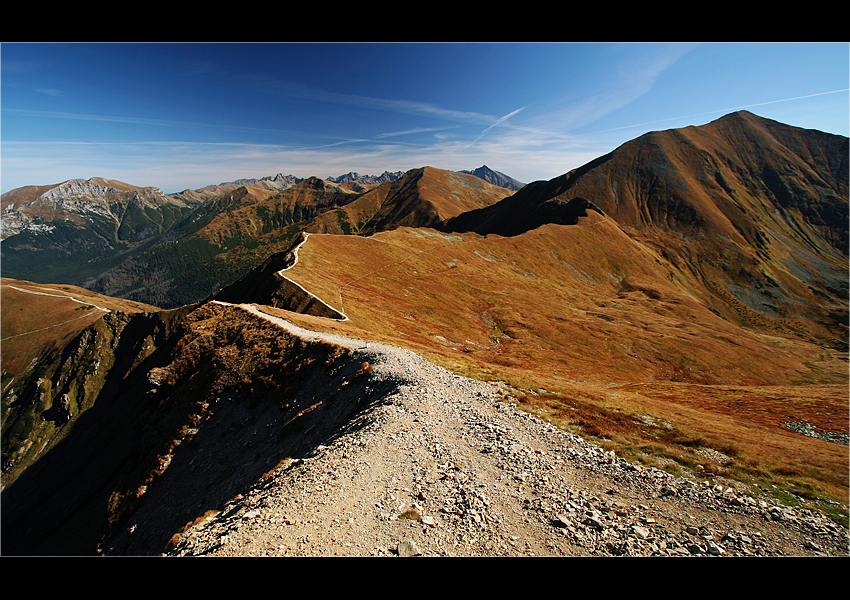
420, 198
587, 296
251, 212
43, 315
752, 212
25, 194
582, 311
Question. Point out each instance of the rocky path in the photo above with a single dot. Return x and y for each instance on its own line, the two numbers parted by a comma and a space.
447, 466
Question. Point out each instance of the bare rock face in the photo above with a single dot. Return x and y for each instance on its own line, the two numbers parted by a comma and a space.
496, 178
60, 412
78, 200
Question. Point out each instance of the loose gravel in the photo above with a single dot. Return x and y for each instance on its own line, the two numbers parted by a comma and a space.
443, 465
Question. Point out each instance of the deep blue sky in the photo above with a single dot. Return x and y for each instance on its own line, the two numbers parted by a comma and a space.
180, 116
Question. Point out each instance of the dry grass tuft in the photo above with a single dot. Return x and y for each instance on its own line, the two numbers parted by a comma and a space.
365, 369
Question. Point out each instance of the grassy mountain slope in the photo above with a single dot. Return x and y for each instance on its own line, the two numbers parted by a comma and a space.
589, 320
44, 329
752, 214
420, 198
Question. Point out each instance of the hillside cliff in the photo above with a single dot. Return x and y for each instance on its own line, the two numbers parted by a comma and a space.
170, 375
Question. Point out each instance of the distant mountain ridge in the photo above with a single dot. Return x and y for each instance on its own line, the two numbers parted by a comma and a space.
37, 208
362, 183
280, 182
496, 178
34, 207
422, 197
173, 249
351, 181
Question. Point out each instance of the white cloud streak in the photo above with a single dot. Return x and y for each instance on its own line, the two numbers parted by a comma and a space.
634, 76
305, 92
415, 130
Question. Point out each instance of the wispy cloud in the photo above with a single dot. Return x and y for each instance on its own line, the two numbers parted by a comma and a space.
413, 131
88, 117
498, 122
634, 75
167, 123
305, 92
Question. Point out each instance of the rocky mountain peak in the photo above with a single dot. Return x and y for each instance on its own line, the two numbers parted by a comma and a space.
73, 200
354, 177
496, 178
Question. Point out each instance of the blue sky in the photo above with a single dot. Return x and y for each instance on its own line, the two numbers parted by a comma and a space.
183, 115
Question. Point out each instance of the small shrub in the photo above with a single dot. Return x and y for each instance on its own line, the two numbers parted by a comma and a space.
173, 542
365, 369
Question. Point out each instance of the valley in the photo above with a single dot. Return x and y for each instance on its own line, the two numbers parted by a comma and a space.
644, 356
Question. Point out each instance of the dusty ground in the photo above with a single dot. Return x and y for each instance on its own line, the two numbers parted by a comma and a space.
447, 466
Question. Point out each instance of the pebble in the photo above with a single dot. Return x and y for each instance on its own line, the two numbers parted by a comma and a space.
502, 481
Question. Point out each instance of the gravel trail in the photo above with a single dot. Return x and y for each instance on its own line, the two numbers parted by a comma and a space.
447, 466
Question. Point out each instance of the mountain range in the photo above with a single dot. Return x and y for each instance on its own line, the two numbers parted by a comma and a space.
174, 249
695, 276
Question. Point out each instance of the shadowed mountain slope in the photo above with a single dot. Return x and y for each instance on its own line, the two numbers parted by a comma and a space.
267, 285
46, 332
751, 212
144, 386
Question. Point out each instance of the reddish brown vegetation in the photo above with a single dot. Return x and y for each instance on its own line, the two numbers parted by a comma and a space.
542, 311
